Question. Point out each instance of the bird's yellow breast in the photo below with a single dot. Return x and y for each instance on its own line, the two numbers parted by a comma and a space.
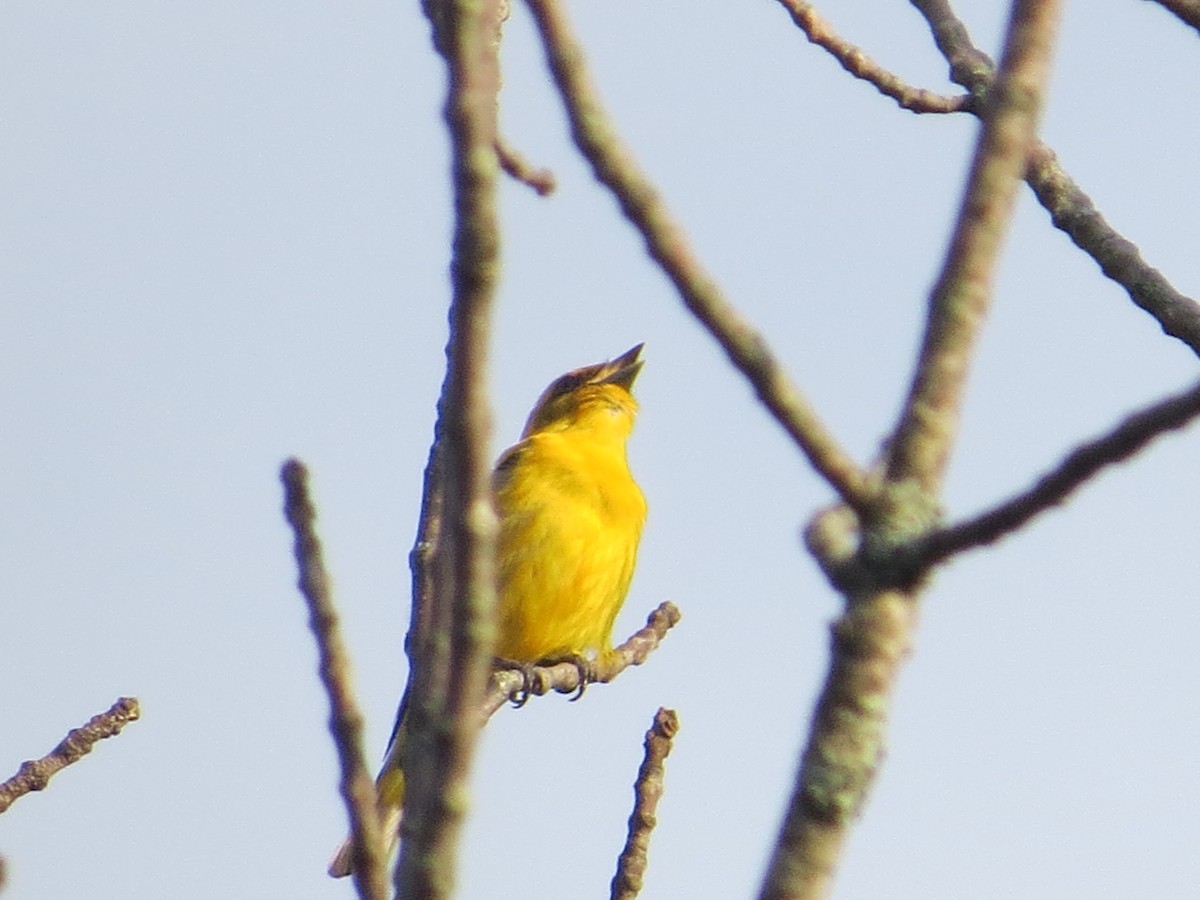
571, 517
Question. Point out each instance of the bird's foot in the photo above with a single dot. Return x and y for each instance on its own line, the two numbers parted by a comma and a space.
588, 670
521, 697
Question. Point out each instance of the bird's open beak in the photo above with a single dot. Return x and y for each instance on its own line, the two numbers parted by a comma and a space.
623, 370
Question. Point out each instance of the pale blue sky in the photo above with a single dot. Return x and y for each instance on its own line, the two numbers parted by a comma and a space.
223, 241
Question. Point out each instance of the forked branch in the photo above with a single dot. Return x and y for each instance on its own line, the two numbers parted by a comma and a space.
852, 58
871, 640
1070, 208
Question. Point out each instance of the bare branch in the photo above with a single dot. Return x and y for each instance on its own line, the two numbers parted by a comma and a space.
35, 774
345, 719
1127, 438
563, 678
869, 642
1187, 10
969, 66
512, 162
872, 638
818, 30
961, 297
667, 244
453, 648
520, 169
1071, 210
647, 791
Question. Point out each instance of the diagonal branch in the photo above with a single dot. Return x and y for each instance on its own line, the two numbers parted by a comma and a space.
818, 30
345, 719
960, 299
1071, 210
1127, 438
35, 774
1186, 10
667, 244
647, 791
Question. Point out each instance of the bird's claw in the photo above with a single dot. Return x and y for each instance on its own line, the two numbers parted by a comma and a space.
587, 668
589, 672
521, 697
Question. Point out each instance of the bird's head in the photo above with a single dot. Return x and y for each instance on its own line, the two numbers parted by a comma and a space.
579, 397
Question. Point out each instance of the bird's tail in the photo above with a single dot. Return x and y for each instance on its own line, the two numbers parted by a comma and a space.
343, 861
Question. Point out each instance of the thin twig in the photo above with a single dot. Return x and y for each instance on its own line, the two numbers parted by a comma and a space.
1071, 210
35, 774
960, 299
820, 32
970, 67
454, 649
667, 244
511, 161
563, 678
345, 719
517, 167
647, 791
1127, 438
1187, 10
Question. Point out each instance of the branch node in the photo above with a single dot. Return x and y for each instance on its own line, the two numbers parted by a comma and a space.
520, 169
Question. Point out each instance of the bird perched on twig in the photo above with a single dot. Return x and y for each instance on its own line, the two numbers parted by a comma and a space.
570, 518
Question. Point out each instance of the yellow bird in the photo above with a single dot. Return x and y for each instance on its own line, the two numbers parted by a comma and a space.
570, 519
